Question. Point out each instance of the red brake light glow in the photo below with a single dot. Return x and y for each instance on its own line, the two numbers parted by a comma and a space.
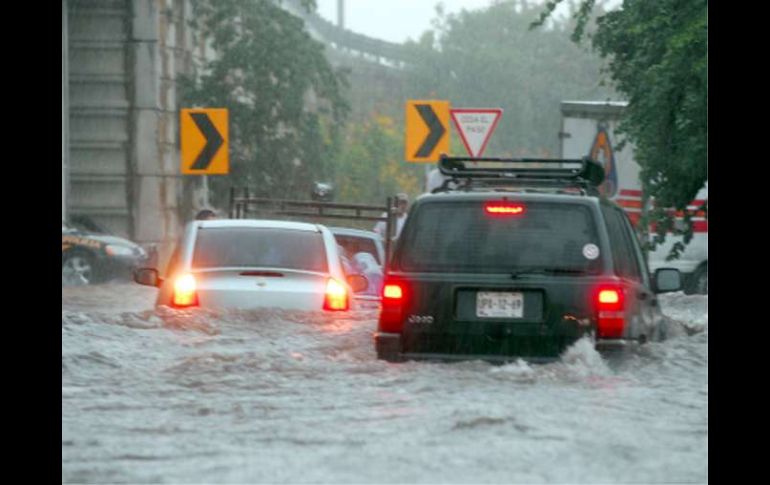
393, 292
609, 296
185, 293
611, 318
336, 296
393, 301
502, 208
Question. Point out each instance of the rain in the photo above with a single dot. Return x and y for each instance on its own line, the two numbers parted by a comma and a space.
332, 118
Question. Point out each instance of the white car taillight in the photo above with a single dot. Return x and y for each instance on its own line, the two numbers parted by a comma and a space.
185, 293
336, 297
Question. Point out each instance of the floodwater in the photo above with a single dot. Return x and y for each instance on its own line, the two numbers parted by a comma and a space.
277, 397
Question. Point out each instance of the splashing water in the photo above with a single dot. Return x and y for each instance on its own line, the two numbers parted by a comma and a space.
280, 396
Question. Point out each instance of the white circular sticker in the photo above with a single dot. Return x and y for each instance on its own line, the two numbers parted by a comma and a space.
591, 251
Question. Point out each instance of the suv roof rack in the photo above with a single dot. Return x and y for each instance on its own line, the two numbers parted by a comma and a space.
468, 173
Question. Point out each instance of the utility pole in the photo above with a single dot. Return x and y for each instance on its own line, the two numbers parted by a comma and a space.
341, 14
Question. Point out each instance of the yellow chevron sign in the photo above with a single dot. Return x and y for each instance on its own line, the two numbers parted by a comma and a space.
427, 130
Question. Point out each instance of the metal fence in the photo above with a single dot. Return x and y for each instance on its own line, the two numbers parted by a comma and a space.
245, 205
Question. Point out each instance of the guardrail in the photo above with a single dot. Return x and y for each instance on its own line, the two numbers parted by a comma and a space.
385, 53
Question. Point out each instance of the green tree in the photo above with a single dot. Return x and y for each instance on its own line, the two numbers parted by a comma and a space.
657, 54
371, 165
489, 58
283, 96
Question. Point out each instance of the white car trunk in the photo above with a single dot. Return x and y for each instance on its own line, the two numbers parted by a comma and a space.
260, 288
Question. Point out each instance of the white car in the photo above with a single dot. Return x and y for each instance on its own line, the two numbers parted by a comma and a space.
355, 241
246, 264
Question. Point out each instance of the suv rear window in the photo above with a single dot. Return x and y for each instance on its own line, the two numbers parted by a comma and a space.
259, 247
461, 237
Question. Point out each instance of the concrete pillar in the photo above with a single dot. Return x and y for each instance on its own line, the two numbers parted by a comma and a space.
146, 179
158, 49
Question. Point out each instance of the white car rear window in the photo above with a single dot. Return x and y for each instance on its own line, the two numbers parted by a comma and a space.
259, 248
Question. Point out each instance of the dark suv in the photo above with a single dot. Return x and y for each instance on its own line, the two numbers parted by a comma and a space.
520, 258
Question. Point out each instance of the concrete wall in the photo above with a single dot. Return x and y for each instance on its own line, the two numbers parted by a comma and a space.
121, 60
156, 184
99, 116
121, 63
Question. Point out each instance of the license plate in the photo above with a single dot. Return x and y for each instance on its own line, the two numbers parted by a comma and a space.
496, 304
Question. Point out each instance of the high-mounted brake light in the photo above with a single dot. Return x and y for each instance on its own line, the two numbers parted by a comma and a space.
185, 293
502, 208
336, 297
393, 300
611, 317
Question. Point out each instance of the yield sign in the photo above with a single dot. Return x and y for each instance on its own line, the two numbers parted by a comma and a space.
475, 127
204, 141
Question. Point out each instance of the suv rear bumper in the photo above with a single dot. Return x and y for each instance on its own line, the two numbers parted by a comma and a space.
614, 344
389, 348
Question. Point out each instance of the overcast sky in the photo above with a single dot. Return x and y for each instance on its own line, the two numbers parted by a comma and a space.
399, 20
393, 20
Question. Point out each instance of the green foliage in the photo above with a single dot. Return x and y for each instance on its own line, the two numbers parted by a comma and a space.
371, 167
483, 58
658, 57
659, 60
284, 98
490, 58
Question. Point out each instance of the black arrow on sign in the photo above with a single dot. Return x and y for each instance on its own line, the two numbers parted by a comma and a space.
213, 141
434, 125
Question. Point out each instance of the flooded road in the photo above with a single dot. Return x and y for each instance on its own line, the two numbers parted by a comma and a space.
275, 396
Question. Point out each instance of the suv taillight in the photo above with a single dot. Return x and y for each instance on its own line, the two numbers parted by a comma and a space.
393, 297
185, 291
610, 314
336, 297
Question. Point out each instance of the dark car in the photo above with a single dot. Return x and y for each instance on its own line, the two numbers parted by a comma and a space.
517, 262
90, 255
